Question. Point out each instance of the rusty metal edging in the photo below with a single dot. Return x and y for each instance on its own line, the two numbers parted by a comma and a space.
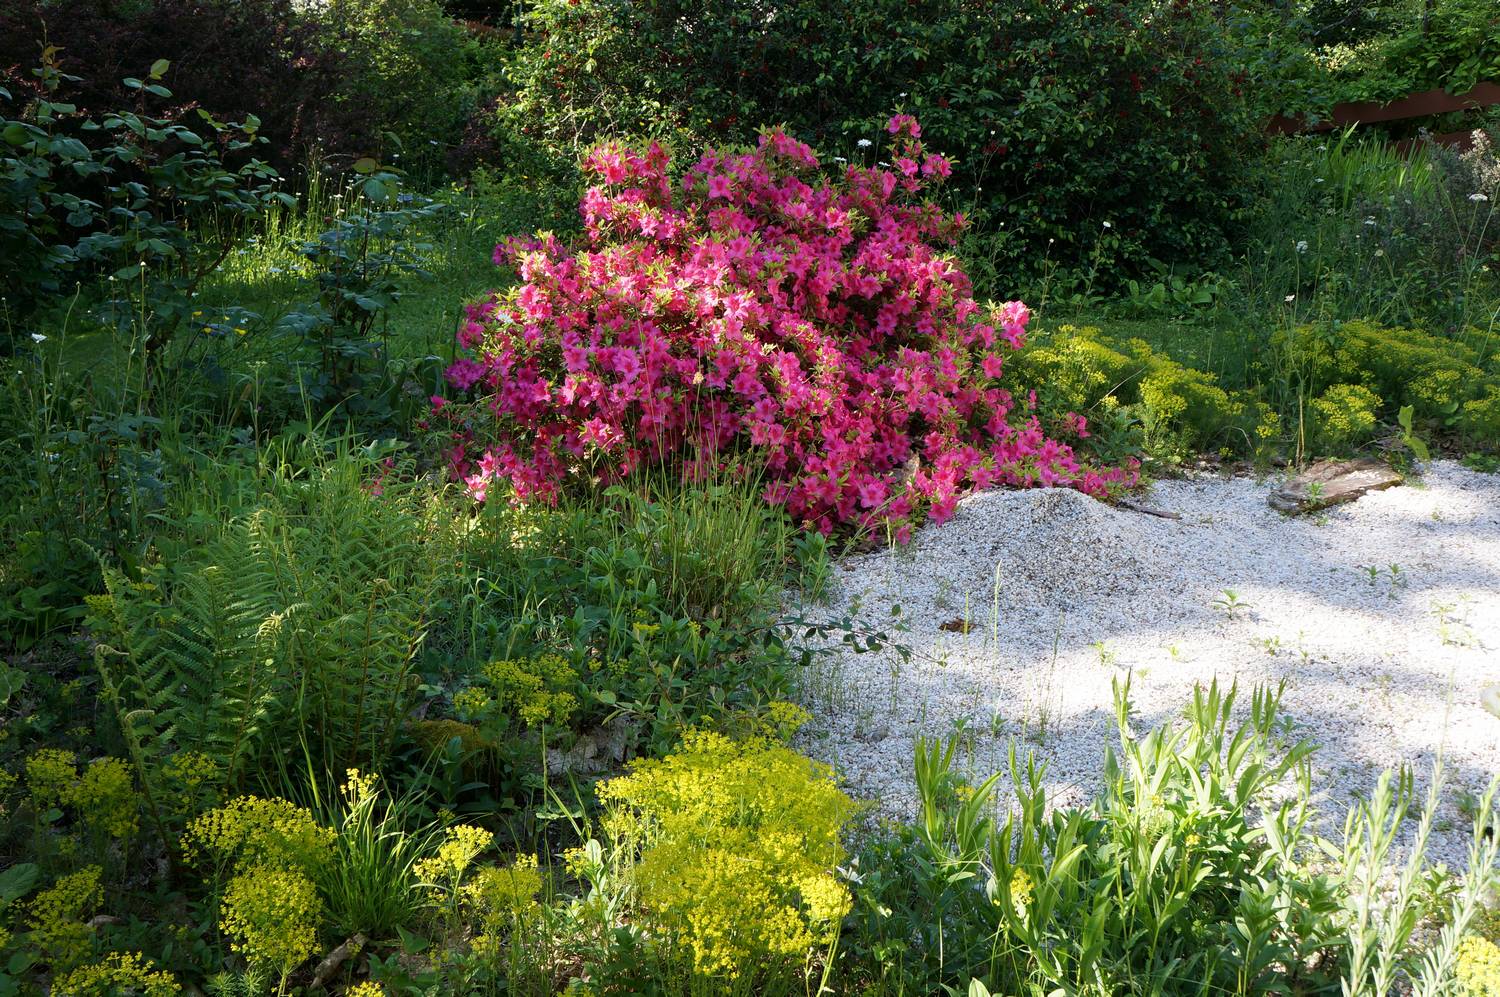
1418, 105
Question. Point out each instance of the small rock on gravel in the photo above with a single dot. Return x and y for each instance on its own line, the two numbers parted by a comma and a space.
1332, 482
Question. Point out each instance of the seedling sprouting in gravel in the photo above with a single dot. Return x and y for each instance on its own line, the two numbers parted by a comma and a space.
943, 597
1453, 624
1044, 702
1230, 604
1467, 804
964, 735
1393, 572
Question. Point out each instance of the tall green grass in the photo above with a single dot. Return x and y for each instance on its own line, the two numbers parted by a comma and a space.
1349, 226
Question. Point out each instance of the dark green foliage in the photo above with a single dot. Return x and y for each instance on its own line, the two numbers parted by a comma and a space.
232, 58
1063, 116
419, 75
125, 194
335, 348
294, 623
83, 470
1420, 45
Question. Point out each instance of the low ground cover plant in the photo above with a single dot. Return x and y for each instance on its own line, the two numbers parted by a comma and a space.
725, 866
1356, 372
1137, 400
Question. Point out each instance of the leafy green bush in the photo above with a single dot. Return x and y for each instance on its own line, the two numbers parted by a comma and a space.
1136, 398
125, 194
333, 350
231, 58
417, 70
734, 848
1069, 116
1452, 384
1448, 44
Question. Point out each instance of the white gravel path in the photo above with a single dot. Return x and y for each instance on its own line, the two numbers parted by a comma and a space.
1380, 671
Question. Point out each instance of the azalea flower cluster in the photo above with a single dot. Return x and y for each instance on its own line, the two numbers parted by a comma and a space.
756, 307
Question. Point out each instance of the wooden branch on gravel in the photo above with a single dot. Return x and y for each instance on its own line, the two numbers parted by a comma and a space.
333, 960
1148, 510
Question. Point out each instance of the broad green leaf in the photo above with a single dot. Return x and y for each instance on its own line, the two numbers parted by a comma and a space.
17, 881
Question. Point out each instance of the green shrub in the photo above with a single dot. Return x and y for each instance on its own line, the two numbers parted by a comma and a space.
739, 846
83, 469
1452, 44
415, 70
1452, 385
231, 58
1135, 397
122, 194
1344, 415
1069, 116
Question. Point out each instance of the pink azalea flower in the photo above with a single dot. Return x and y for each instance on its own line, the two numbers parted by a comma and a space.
464, 373
936, 166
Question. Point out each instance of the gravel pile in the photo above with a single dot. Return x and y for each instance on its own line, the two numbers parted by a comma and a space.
1383, 667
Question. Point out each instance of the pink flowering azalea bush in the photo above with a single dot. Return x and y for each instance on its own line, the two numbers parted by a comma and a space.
760, 312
